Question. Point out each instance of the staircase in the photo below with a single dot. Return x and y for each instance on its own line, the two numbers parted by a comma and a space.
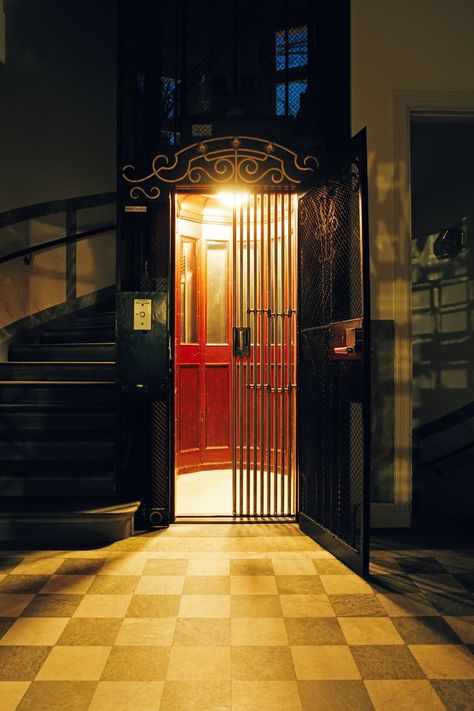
58, 409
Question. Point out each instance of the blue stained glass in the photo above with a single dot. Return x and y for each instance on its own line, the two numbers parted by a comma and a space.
295, 89
297, 48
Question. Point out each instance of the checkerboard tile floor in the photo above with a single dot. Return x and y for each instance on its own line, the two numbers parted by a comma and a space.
234, 618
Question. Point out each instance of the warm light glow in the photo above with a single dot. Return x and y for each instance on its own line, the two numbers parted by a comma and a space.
233, 199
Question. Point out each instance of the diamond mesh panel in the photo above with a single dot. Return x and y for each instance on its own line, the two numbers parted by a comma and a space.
331, 452
159, 494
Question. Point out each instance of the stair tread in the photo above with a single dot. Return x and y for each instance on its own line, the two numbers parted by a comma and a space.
61, 505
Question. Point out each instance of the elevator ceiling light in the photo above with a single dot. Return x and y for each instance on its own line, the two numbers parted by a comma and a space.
233, 199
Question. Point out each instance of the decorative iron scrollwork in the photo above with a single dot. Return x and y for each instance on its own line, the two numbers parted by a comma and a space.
238, 160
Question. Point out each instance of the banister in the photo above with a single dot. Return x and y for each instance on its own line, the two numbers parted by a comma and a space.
29, 212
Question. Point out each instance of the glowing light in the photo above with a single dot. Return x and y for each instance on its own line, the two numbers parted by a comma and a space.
233, 199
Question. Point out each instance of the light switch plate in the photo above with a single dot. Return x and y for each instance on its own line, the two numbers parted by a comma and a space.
142, 314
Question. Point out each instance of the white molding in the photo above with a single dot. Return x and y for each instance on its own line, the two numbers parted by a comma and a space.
406, 103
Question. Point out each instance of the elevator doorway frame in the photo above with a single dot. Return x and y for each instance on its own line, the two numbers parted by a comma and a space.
265, 486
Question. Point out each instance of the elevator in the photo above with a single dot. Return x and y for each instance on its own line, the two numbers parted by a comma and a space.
235, 354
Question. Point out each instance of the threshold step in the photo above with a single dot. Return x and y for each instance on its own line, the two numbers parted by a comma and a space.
65, 520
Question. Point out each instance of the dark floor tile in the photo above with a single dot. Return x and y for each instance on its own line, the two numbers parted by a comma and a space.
21, 663
137, 664
5, 624
90, 631
330, 566
456, 694
7, 563
466, 579
386, 662
425, 630
154, 606
24, 584
305, 631
299, 584
393, 584
52, 606
164, 566
334, 696
242, 566
450, 603
420, 564
113, 584
357, 605
64, 695
80, 566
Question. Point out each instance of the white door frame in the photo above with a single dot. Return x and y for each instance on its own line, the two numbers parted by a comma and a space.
405, 104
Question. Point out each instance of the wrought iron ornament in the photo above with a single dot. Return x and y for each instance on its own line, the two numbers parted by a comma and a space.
218, 161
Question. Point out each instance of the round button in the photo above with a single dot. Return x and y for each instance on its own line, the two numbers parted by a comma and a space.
142, 314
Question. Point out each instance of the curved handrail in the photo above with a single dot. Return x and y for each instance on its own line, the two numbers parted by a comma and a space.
29, 212
56, 242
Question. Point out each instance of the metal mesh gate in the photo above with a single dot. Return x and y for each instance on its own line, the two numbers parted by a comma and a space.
333, 363
264, 355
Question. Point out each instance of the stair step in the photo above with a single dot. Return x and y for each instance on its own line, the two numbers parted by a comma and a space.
58, 393
63, 352
64, 451
47, 485
60, 520
79, 334
103, 320
44, 371
16, 423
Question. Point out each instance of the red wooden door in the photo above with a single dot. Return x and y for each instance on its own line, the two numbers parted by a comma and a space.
203, 431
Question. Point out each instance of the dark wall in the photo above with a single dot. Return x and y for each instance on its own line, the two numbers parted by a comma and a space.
58, 100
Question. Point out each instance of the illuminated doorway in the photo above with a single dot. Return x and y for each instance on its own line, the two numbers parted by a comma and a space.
235, 354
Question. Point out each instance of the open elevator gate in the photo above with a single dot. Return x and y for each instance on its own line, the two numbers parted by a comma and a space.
264, 289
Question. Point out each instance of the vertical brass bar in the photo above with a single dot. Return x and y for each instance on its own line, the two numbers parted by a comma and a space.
291, 320
275, 356
234, 364
241, 363
255, 347
248, 363
269, 352
282, 352
262, 348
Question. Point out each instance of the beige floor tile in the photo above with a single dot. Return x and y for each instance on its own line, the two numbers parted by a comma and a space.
403, 695
297, 543
160, 585
208, 566
11, 693
196, 696
68, 584
253, 585
207, 584
142, 631
331, 566
463, 626
44, 566
199, 663
265, 696
114, 584
163, 566
74, 664
255, 606
290, 566
262, 664
136, 663
103, 606
345, 585
35, 631
127, 696
201, 632
324, 662
409, 605
369, 630
13, 605
444, 661
131, 564
204, 606
249, 631
316, 605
